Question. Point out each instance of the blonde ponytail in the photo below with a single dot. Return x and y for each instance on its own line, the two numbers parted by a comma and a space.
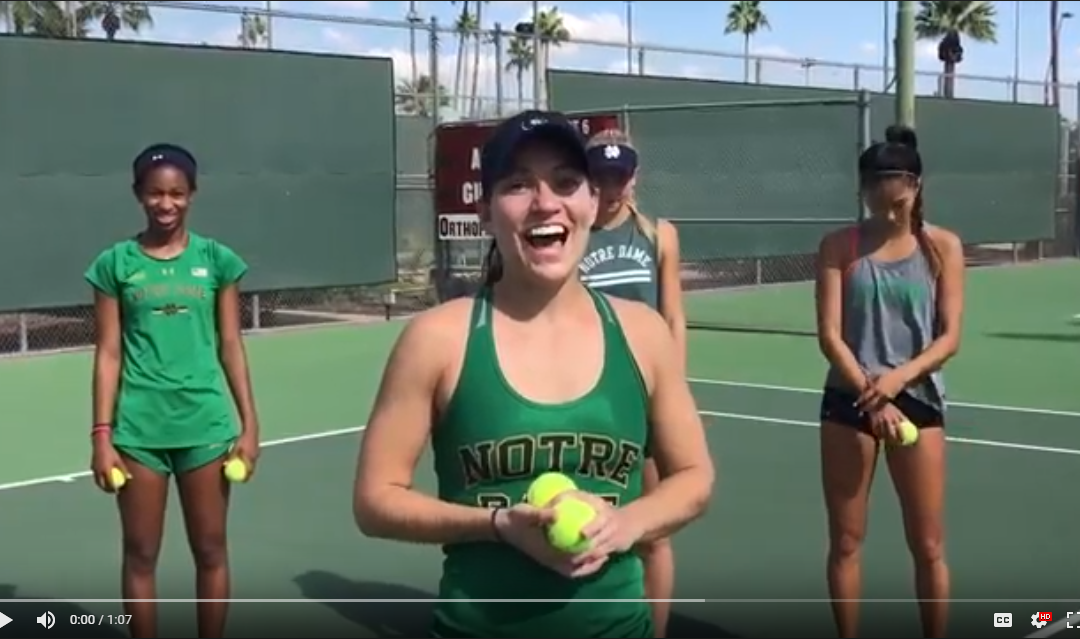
619, 137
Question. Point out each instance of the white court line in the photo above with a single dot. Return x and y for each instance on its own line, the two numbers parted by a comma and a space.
1056, 627
70, 477
956, 440
817, 391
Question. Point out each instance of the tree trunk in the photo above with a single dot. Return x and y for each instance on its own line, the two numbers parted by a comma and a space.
478, 42
948, 84
746, 58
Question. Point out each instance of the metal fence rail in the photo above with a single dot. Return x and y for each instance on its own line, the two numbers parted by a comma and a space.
426, 47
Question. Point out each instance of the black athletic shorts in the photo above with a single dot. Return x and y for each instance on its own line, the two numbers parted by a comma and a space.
838, 406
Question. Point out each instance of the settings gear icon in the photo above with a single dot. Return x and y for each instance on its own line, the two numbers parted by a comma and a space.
1035, 621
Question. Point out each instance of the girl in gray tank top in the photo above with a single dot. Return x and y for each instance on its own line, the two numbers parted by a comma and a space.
889, 305
631, 257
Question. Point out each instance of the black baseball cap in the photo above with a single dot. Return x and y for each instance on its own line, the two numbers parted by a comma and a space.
497, 156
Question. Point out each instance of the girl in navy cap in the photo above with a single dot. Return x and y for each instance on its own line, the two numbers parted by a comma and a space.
537, 373
167, 309
631, 257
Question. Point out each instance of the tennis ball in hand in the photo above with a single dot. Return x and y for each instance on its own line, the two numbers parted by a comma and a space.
547, 487
571, 516
117, 478
236, 470
909, 434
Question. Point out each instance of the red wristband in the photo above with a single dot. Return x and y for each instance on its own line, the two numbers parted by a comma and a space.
101, 429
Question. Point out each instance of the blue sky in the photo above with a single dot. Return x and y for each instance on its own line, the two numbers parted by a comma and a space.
850, 33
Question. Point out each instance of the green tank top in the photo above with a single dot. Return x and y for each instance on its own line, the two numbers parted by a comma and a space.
490, 443
622, 262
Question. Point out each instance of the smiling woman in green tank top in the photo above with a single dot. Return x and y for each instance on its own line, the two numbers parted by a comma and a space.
537, 373
633, 258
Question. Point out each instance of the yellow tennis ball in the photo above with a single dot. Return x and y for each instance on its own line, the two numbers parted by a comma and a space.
236, 470
117, 478
547, 487
909, 433
571, 516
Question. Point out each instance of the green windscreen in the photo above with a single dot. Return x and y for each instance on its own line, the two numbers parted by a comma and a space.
753, 176
296, 154
748, 179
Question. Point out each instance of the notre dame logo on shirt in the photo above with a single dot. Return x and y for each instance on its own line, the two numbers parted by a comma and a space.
170, 309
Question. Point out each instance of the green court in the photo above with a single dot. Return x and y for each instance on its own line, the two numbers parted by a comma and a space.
1015, 443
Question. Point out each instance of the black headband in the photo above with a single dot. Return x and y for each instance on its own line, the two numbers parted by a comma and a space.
164, 155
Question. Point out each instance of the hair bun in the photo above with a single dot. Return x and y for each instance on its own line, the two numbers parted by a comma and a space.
900, 134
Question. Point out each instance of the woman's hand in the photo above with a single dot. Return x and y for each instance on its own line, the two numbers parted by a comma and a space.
610, 532
881, 390
247, 449
885, 423
102, 462
525, 528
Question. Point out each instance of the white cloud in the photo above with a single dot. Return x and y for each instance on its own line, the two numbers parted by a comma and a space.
599, 27
771, 50
352, 5
868, 47
926, 50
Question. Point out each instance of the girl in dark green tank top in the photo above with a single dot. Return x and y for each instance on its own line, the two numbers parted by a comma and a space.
535, 374
632, 258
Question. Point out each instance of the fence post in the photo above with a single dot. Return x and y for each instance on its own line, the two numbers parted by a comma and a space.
498, 41
865, 134
440, 270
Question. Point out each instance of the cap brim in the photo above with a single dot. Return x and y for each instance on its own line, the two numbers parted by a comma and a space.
556, 133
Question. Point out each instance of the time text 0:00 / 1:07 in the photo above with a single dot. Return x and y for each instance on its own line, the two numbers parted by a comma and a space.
100, 620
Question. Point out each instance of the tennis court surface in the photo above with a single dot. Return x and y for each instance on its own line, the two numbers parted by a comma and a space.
1012, 512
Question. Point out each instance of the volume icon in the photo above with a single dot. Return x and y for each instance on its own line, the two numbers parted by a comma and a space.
47, 620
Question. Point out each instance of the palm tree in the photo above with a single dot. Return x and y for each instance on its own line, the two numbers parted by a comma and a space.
19, 17
47, 19
253, 31
478, 43
552, 34
521, 60
947, 21
463, 25
116, 16
417, 98
746, 17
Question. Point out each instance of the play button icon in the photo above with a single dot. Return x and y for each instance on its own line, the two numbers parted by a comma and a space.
4, 620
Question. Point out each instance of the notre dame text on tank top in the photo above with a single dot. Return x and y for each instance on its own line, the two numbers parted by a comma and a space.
491, 442
622, 262
890, 316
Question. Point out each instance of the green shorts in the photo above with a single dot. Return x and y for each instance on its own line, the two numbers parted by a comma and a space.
177, 461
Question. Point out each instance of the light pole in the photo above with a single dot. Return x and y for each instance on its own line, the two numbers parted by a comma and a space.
886, 45
1051, 81
629, 37
1016, 51
269, 24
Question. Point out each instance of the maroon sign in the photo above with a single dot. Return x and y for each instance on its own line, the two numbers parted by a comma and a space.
457, 160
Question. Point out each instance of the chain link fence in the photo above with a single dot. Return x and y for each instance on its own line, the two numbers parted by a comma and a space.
504, 88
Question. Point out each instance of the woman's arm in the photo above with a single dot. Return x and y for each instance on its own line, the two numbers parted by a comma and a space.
950, 307
829, 298
677, 438
671, 295
106, 357
233, 356
385, 504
